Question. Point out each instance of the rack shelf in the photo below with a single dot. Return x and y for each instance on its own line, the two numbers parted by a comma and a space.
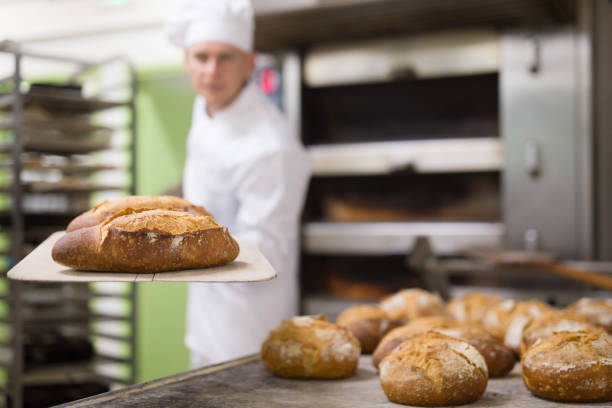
397, 238
420, 156
49, 132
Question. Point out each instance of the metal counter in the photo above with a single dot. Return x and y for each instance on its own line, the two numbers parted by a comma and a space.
246, 383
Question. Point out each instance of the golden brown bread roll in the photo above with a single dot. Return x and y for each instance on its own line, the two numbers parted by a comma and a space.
368, 323
497, 319
570, 366
543, 327
106, 209
499, 359
472, 307
432, 369
310, 347
147, 241
410, 304
521, 316
507, 320
596, 311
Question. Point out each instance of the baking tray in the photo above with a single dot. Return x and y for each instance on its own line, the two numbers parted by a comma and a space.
246, 383
249, 266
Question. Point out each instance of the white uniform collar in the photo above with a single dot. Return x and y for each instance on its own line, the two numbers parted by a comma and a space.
237, 107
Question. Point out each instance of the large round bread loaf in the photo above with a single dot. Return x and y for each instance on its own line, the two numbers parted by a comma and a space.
596, 311
368, 323
310, 347
107, 209
432, 369
570, 366
409, 304
147, 241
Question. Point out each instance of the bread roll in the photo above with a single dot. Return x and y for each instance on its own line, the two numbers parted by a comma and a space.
472, 307
106, 209
368, 323
596, 311
543, 327
432, 369
507, 320
310, 347
499, 359
410, 304
570, 366
521, 316
147, 241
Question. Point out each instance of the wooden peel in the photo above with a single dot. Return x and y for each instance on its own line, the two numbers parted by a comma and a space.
594, 278
542, 260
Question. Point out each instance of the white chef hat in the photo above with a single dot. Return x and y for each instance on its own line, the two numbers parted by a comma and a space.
224, 21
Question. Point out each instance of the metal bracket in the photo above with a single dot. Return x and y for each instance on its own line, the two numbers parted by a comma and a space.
536, 63
422, 259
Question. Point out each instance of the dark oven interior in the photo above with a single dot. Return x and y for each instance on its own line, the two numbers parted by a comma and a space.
405, 109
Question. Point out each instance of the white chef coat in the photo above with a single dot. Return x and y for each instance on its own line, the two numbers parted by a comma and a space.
247, 167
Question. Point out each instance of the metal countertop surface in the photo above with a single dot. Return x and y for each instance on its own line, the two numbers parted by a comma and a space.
246, 383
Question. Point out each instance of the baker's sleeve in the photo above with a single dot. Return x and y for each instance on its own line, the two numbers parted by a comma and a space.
270, 192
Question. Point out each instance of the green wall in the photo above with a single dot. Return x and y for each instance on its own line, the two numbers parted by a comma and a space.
163, 108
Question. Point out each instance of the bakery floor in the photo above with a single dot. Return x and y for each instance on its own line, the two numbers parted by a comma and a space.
246, 383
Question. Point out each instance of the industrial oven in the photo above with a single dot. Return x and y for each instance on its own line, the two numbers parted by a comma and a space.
469, 137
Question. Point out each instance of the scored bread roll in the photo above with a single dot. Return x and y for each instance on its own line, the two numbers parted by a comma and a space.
570, 367
472, 307
147, 241
499, 359
596, 311
368, 323
507, 320
543, 327
106, 209
410, 304
310, 347
432, 369
521, 316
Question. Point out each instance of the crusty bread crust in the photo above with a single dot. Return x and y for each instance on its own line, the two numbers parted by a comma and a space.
543, 327
499, 359
147, 241
106, 209
432, 369
596, 311
310, 347
570, 366
368, 323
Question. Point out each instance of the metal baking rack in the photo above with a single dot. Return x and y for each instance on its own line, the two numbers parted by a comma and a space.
78, 339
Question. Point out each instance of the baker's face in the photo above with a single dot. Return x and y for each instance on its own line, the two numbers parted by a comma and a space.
218, 71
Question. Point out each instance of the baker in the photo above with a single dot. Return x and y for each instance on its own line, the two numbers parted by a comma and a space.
246, 165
